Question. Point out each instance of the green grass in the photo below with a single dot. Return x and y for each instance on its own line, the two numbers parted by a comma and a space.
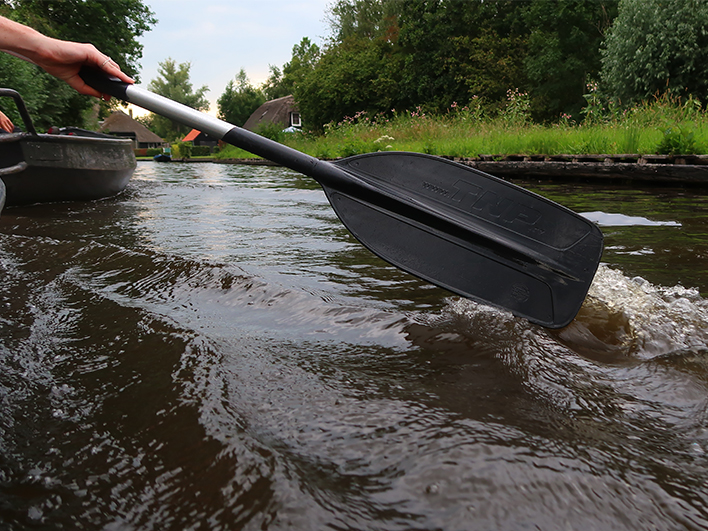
662, 126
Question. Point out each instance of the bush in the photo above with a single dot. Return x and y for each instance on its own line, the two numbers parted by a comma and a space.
655, 46
182, 150
678, 140
271, 130
201, 151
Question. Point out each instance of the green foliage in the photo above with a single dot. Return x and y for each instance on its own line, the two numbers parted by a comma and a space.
304, 58
563, 51
404, 54
271, 130
594, 110
518, 108
200, 151
239, 100
232, 152
368, 19
657, 46
182, 150
463, 133
632, 139
454, 50
273, 87
358, 74
678, 140
173, 83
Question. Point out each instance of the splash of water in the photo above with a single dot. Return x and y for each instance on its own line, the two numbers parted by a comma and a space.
622, 319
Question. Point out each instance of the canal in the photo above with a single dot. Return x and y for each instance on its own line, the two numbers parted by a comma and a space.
213, 350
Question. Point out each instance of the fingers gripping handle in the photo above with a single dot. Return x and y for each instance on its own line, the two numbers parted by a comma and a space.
103, 83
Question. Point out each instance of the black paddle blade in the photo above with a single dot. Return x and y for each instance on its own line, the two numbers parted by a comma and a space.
471, 233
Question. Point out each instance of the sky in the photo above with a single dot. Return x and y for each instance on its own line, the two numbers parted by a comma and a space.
219, 37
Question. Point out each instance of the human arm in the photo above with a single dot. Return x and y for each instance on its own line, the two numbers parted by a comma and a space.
62, 59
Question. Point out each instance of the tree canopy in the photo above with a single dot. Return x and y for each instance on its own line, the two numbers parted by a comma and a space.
239, 100
404, 54
305, 56
563, 51
655, 46
173, 82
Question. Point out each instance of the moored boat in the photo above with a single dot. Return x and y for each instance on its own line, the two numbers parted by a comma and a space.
68, 164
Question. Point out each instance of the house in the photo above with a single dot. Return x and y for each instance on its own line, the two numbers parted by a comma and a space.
121, 125
198, 138
282, 111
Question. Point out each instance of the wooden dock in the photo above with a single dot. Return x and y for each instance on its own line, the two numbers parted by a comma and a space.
649, 169
664, 169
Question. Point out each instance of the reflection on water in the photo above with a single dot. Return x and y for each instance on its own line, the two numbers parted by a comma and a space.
603, 219
213, 350
673, 250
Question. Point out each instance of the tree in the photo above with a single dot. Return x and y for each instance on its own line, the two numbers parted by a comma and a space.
356, 75
563, 51
409, 53
239, 100
403, 54
273, 87
656, 46
358, 71
113, 27
22, 76
455, 50
363, 18
304, 58
173, 83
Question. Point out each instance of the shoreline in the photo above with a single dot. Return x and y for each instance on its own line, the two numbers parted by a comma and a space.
650, 169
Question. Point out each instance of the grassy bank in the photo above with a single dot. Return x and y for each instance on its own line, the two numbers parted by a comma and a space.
663, 126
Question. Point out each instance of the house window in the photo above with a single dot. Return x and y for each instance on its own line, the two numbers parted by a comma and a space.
295, 119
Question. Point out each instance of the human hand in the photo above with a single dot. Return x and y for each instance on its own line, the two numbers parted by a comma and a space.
64, 59
6, 123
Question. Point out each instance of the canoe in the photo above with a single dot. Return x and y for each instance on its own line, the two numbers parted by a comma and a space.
70, 164
49, 168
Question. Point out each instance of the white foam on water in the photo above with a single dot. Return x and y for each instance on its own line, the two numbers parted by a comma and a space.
605, 219
621, 318
659, 319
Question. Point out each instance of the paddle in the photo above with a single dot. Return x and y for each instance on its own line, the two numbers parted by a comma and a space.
456, 227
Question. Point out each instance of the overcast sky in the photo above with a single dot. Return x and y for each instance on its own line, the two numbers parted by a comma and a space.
219, 37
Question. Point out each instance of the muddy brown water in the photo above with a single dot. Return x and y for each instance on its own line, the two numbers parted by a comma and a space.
213, 350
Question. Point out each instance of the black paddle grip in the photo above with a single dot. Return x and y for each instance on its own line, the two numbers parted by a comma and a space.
104, 83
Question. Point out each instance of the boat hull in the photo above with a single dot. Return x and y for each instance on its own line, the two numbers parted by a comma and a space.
51, 168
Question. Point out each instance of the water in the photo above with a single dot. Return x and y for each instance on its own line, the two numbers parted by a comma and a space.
212, 350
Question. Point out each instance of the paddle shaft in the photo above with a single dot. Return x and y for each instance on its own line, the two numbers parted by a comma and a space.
451, 225
326, 174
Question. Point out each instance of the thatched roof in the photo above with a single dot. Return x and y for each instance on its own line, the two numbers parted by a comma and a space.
273, 111
119, 122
